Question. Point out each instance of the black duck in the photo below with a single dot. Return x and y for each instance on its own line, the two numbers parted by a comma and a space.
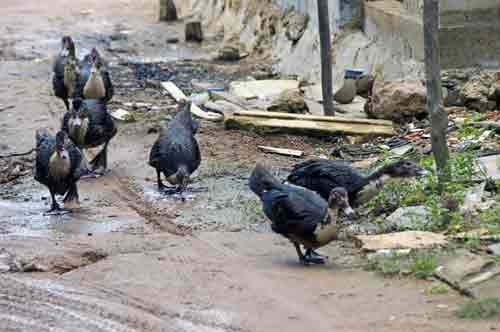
176, 153
299, 214
90, 125
65, 71
57, 166
322, 175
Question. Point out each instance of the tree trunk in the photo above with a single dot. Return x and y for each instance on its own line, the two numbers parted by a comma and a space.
168, 12
326, 57
437, 114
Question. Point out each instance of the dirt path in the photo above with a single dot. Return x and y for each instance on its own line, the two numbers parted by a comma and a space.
116, 264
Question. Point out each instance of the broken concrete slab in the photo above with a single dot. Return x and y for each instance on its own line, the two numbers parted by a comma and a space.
407, 218
401, 240
262, 121
491, 166
222, 106
475, 275
262, 89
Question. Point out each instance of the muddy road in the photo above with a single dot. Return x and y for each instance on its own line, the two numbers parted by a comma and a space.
133, 260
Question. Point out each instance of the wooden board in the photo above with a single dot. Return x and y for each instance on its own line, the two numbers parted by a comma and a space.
178, 95
284, 152
319, 118
302, 126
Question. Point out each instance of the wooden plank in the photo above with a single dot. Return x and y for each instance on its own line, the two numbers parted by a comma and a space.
178, 95
320, 118
267, 124
284, 152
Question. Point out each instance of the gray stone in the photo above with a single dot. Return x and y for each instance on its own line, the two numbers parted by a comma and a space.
473, 199
289, 101
229, 53
479, 93
494, 249
397, 100
407, 218
346, 94
490, 165
472, 274
295, 24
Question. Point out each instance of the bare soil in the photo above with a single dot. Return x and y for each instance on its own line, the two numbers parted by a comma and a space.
133, 260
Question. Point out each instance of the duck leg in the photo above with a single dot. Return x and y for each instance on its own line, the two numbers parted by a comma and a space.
303, 259
100, 163
71, 199
163, 188
55, 209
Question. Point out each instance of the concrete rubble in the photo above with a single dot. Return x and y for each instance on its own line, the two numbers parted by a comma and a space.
400, 240
475, 275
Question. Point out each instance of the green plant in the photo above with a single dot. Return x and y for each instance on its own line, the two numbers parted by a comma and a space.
473, 243
423, 265
480, 309
437, 288
424, 191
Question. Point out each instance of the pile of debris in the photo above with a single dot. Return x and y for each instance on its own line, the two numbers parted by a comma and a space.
14, 168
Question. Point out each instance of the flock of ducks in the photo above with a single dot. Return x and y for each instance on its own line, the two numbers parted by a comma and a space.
304, 208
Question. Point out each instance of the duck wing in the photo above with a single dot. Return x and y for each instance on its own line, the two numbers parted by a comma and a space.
322, 175
45, 144
293, 211
175, 148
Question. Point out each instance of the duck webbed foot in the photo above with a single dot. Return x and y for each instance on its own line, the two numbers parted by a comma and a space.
315, 258
56, 210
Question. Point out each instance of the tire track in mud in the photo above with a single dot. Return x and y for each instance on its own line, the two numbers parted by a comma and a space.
42, 305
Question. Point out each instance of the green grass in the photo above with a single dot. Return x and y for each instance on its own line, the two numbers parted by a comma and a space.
421, 264
480, 309
424, 191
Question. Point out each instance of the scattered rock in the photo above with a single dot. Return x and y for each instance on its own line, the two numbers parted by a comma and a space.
194, 31
401, 240
123, 115
229, 53
295, 24
473, 199
397, 100
472, 274
388, 253
406, 218
289, 101
481, 93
